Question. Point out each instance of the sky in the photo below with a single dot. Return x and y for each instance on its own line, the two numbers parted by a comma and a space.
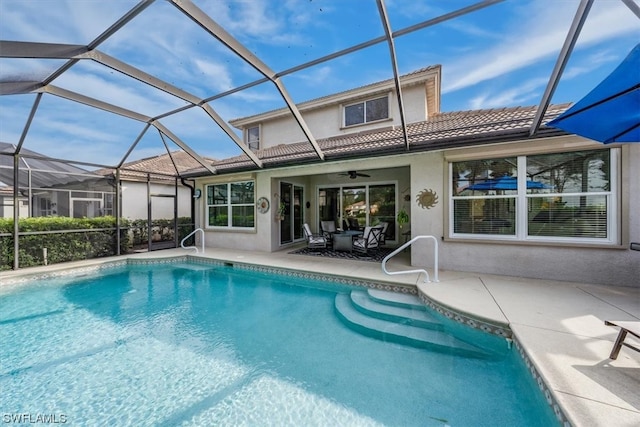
499, 56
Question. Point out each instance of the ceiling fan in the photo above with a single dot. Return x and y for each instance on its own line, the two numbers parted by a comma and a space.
354, 174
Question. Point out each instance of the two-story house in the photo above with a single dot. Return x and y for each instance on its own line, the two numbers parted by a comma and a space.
499, 200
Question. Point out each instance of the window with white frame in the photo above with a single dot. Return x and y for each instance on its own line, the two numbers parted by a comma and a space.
231, 205
253, 138
367, 111
546, 197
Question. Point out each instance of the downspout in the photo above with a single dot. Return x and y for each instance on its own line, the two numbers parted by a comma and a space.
16, 210
117, 207
175, 212
149, 212
193, 200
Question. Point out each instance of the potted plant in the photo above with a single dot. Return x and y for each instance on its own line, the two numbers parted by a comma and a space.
403, 217
281, 210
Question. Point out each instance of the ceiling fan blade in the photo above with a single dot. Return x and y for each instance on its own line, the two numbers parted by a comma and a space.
354, 174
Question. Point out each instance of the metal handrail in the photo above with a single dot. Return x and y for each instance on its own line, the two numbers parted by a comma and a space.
435, 261
193, 247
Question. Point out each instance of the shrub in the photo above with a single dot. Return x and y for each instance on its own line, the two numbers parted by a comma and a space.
62, 242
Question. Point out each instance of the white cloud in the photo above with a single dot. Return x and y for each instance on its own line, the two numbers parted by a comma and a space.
539, 34
516, 95
218, 76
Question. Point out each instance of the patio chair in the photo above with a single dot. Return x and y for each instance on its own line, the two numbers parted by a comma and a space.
369, 242
328, 228
383, 234
314, 241
353, 224
630, 326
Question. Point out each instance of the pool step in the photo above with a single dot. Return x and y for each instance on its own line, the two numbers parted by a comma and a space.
401, 319
398, 308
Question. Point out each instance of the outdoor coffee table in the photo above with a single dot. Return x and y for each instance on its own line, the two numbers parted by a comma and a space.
343, 241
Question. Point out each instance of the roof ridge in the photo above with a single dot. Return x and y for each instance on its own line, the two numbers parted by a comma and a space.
415, 129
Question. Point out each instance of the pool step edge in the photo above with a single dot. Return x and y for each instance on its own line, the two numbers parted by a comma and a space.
402, 333
409, 314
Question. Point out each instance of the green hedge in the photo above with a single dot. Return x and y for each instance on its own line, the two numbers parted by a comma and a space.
75, 246
61, 247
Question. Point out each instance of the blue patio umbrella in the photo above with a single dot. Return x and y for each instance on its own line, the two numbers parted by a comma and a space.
611, 111
504, 183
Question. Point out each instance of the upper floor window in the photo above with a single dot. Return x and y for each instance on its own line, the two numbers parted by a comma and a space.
253, 138
366, 111
231, 205
549, 197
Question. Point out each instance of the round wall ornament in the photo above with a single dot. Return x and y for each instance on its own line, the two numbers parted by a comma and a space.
427, 198
263, 205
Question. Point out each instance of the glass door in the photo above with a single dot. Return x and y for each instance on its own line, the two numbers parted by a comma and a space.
382, 207
85, 208
292, 197
329, 205
355, 207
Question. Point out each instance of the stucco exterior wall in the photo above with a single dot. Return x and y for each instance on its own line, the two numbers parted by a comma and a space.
416, 172
266, 235
327, 121
611, 265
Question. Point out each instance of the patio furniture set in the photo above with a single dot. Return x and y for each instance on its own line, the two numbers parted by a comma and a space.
362, 242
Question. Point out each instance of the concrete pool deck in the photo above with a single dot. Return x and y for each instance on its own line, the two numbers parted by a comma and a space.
559, 324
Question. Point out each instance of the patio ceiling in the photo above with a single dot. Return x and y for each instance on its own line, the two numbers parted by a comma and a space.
69, 58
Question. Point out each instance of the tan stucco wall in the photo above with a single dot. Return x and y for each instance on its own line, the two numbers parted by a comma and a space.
327, 121
612, 265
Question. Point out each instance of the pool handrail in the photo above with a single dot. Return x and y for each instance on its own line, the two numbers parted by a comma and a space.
421, 270
191, 234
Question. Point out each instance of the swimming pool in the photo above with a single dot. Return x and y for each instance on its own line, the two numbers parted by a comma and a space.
193, 344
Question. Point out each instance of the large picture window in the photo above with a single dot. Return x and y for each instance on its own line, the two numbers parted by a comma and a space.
367, 111
231, 205
560, 197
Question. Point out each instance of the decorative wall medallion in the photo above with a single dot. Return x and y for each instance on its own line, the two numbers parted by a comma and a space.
427, 198
263, 205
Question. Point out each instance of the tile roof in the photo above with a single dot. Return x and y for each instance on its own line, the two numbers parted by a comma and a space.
443, 130
160, 167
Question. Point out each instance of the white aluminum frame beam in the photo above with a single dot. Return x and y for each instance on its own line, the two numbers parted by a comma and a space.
166, 87
50, 50
631, 4
394, 65
563, 58
95, 103
203, 20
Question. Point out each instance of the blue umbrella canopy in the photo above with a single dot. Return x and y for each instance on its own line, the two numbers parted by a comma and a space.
611, 111
504, 183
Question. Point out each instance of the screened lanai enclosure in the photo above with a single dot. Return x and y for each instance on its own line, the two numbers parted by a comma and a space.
66, 213
109, 108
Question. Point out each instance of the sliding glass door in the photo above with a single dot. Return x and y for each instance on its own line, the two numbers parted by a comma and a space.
355, 207
382, 207
292, 196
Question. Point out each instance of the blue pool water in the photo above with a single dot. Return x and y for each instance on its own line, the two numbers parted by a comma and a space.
194, 345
